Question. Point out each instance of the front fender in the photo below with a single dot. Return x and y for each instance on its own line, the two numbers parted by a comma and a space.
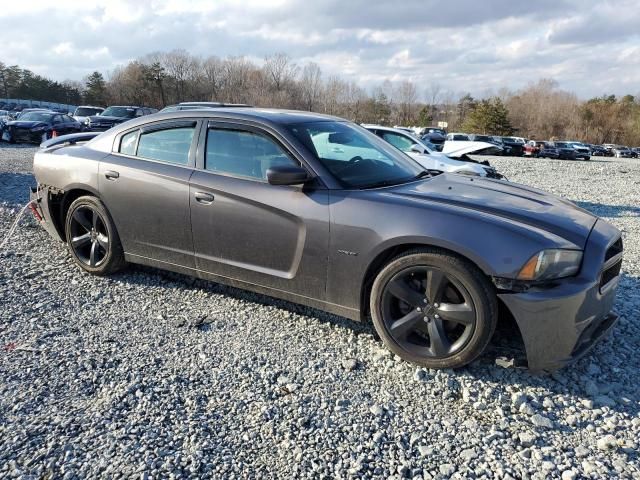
497, 245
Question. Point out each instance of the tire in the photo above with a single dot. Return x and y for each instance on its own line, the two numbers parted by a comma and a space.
447, 325
92, 237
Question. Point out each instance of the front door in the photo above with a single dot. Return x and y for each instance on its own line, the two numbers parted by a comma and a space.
246, 229
145, 185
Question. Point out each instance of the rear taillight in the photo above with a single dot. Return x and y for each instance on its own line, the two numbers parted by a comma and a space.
34, 210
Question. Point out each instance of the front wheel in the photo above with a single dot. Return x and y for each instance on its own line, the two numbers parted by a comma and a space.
433, 309
92, 237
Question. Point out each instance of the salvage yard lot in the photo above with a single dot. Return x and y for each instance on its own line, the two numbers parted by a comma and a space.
148, 373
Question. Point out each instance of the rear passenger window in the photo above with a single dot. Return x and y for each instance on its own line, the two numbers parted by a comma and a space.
128, 143
242, 153
171, 145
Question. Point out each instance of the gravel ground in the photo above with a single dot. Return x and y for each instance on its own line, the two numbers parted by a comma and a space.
153, 375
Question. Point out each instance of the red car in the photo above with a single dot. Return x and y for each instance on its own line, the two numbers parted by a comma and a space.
532, 148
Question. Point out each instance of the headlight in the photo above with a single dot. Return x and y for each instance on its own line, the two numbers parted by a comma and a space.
551, 264
86, 121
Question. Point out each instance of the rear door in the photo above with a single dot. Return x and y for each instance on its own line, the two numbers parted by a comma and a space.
248, 230
145, 186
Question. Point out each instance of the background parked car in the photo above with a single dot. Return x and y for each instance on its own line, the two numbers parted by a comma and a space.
599, 151
39, 126
511, 149
431, 159
474, 137
435, 136
457, 137
582, 150
565, 151
83, 112
621, 151
532, 148
548, 150
115, 115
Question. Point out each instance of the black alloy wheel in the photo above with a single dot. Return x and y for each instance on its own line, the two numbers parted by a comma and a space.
427, 312
92, 237
89, 236
433, 308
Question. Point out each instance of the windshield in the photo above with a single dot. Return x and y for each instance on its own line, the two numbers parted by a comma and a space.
36, 117
87, 112
356, 157
482, 138
123, 112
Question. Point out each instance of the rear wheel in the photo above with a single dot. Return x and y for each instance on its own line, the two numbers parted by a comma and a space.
433, 309
92, 237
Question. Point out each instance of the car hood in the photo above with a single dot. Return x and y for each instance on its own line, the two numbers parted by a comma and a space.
508, 200
439, 161
26, 124
458, 148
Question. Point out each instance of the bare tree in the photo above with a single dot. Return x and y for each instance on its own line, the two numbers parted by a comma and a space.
311, 85
406, 98
279, 70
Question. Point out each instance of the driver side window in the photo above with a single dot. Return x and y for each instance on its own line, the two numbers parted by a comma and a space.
243, 153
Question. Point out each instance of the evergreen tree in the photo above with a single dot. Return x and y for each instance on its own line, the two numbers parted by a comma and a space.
489, 117
95, 89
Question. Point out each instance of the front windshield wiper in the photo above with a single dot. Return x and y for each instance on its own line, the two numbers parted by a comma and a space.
422, 174
388, 183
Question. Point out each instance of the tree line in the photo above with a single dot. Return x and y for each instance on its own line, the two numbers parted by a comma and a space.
540, 110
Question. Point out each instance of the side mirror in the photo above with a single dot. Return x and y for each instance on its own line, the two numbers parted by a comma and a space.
286, 175
418, 148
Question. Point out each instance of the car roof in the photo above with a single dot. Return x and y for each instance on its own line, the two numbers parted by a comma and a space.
264, 115
214, 104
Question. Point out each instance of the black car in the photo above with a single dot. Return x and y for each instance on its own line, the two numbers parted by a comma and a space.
435, 136
565, 151
515, 148
115, 115
599, 151
39, 126
197, 105
548, 150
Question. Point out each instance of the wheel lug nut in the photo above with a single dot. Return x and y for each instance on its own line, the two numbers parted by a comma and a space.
436, 305
418, 309
436, 316
426, 301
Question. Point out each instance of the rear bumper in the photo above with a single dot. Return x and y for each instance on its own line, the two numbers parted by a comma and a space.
39, 197
562, 323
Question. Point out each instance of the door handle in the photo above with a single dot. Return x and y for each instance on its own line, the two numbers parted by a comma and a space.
111, 174
204, 198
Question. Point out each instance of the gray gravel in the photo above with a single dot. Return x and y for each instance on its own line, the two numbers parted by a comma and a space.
148, 374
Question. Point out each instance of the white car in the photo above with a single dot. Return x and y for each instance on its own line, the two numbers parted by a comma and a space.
83, 112
452, 159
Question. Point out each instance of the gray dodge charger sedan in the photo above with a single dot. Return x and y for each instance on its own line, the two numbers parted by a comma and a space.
319, 211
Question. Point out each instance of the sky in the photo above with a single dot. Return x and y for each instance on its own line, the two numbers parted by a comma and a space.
590, 47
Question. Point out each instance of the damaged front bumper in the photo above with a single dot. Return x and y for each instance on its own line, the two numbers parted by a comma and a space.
561, 323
